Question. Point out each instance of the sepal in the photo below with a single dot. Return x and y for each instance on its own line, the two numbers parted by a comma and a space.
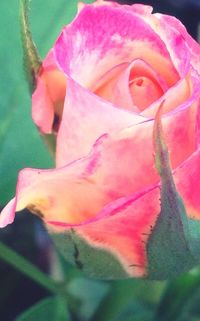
169, 247
32, 61
94, 262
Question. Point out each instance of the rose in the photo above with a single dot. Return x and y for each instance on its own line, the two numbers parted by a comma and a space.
98, 91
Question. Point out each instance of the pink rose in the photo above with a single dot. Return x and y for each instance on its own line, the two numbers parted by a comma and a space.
98, 91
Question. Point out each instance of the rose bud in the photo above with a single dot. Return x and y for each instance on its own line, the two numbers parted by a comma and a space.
122, 85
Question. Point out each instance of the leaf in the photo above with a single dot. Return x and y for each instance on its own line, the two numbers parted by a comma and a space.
50, 309
137, 311
88, 295
179, 297
129, 294
168, 250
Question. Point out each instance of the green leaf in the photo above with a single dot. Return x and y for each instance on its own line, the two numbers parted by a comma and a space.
126, 294
137, 311
50, 309
168, 249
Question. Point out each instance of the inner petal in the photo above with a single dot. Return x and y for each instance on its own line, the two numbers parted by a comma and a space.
144, 91
132, 86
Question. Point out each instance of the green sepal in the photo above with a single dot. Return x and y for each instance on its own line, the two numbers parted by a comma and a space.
169, 252
94, 262
32, 61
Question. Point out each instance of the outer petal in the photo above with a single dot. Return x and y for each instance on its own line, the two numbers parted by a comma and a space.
48, 97
123, 227
123, 230
188, 184
175, 43
78, 191
170, 22
126, 224
8, 214
105, 36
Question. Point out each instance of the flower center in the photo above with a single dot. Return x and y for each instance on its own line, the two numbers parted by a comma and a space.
144, 91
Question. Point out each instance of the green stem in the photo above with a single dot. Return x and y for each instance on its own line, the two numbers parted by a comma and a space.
25, 267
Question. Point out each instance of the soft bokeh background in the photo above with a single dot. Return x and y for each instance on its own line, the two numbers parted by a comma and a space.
21, 146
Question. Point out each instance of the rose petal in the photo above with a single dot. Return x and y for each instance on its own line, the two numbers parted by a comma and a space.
85, 53
116, 87
175, 25
78, 191
188, 184
8, 214
124, 233
174, 40
90, 117
48, 97
188, 90
86, 115
171, 98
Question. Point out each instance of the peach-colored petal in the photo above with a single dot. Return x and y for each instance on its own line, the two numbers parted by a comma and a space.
184, 94
123, 230
144, 92
118, 85
114, 87
48, 97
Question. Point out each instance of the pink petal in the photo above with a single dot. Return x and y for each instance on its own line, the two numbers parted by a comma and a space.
85, 118
105, 36
176, 26
175, 43
116, 167
140, 9
8, 214
91, 117
188, 184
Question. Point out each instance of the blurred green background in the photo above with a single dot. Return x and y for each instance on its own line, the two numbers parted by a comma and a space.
21, 146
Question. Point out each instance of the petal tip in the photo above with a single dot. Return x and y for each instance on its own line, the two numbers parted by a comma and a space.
7, 216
